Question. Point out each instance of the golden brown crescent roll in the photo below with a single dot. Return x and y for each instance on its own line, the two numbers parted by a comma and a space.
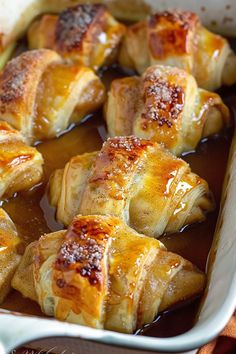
86, 34
20, 164
164, 105
9, 258
40, 95
134, 179
101, 273
177, 38
14, 20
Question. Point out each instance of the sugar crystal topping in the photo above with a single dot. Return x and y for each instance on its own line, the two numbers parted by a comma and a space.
84, 247
163, 101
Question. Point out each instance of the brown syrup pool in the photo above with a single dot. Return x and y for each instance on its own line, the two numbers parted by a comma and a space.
33, 215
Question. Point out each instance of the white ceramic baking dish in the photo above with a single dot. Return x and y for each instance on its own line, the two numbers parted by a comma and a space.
220, 299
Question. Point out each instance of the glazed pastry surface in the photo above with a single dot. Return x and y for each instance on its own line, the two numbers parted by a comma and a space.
134, 179
166, 106
177, 38
40, 95
86, 34
9, 258
21, 166
108, 270
101, 273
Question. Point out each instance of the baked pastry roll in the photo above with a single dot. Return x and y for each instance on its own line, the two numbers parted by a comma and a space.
177, 38
40, 95
101, 273
9, 258
20, 164
134, 179
164, 105
86, 34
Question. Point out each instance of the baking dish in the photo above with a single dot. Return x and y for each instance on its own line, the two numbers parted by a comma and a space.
220, 298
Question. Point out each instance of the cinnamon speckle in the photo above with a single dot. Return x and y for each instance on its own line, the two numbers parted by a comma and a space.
15, 78
73, 23
83, 249
118, 159
163, 101
184, 19
169, 31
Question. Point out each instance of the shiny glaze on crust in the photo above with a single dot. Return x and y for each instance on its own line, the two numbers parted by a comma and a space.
118, 159
163, 101
83, 249
33, 215
125, 264
73, 24
16, 160
173, 38
184, 19
17, 76
7, 132
164, 105
87, 34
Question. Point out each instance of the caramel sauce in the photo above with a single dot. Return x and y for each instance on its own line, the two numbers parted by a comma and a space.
33, 215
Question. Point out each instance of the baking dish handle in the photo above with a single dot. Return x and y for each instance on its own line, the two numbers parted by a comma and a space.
17, 329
